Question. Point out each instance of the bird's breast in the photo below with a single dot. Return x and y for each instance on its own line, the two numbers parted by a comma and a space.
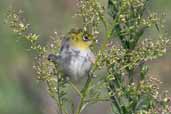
77, 64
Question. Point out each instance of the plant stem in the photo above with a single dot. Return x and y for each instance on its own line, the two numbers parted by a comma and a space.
130, 76
117, 104
97, 99
59, 99
129, 70
75, 88
83, 94
84, 91
60, 104
115, 99
61, 108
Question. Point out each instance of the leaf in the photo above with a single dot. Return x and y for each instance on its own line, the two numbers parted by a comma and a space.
157, 27
144, 71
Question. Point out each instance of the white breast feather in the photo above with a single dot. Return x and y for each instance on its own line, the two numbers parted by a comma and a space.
79, 65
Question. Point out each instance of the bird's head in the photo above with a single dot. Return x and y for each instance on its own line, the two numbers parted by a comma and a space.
80, 39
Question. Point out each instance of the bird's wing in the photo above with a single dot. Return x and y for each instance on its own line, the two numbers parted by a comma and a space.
64, 44
58, 57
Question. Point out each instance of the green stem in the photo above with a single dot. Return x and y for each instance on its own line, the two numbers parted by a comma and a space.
129, 70
60, 103
59, 99
115, 99
117, 104
130, 76
97, 100
84, 93
61, 108
75, 89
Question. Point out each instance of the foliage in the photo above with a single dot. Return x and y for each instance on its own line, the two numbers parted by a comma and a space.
134, 94
125, 83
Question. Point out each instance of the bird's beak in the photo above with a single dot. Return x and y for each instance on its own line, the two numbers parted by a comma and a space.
93, 42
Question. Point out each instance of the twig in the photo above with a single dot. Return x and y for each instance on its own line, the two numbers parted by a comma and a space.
75, 88
84, 93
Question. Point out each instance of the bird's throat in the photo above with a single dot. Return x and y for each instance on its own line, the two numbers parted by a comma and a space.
79, 45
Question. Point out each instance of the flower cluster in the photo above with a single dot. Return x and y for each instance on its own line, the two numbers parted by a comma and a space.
91, 12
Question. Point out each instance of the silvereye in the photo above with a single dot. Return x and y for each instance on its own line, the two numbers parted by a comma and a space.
75, 57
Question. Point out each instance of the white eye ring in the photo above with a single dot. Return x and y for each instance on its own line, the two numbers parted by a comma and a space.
85, 38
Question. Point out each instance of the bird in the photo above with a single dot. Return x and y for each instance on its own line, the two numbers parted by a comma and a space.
75, 58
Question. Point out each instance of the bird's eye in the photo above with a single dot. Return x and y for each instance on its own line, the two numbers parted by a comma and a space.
85, 38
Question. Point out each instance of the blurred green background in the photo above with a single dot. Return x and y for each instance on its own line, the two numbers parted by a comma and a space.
19, 91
